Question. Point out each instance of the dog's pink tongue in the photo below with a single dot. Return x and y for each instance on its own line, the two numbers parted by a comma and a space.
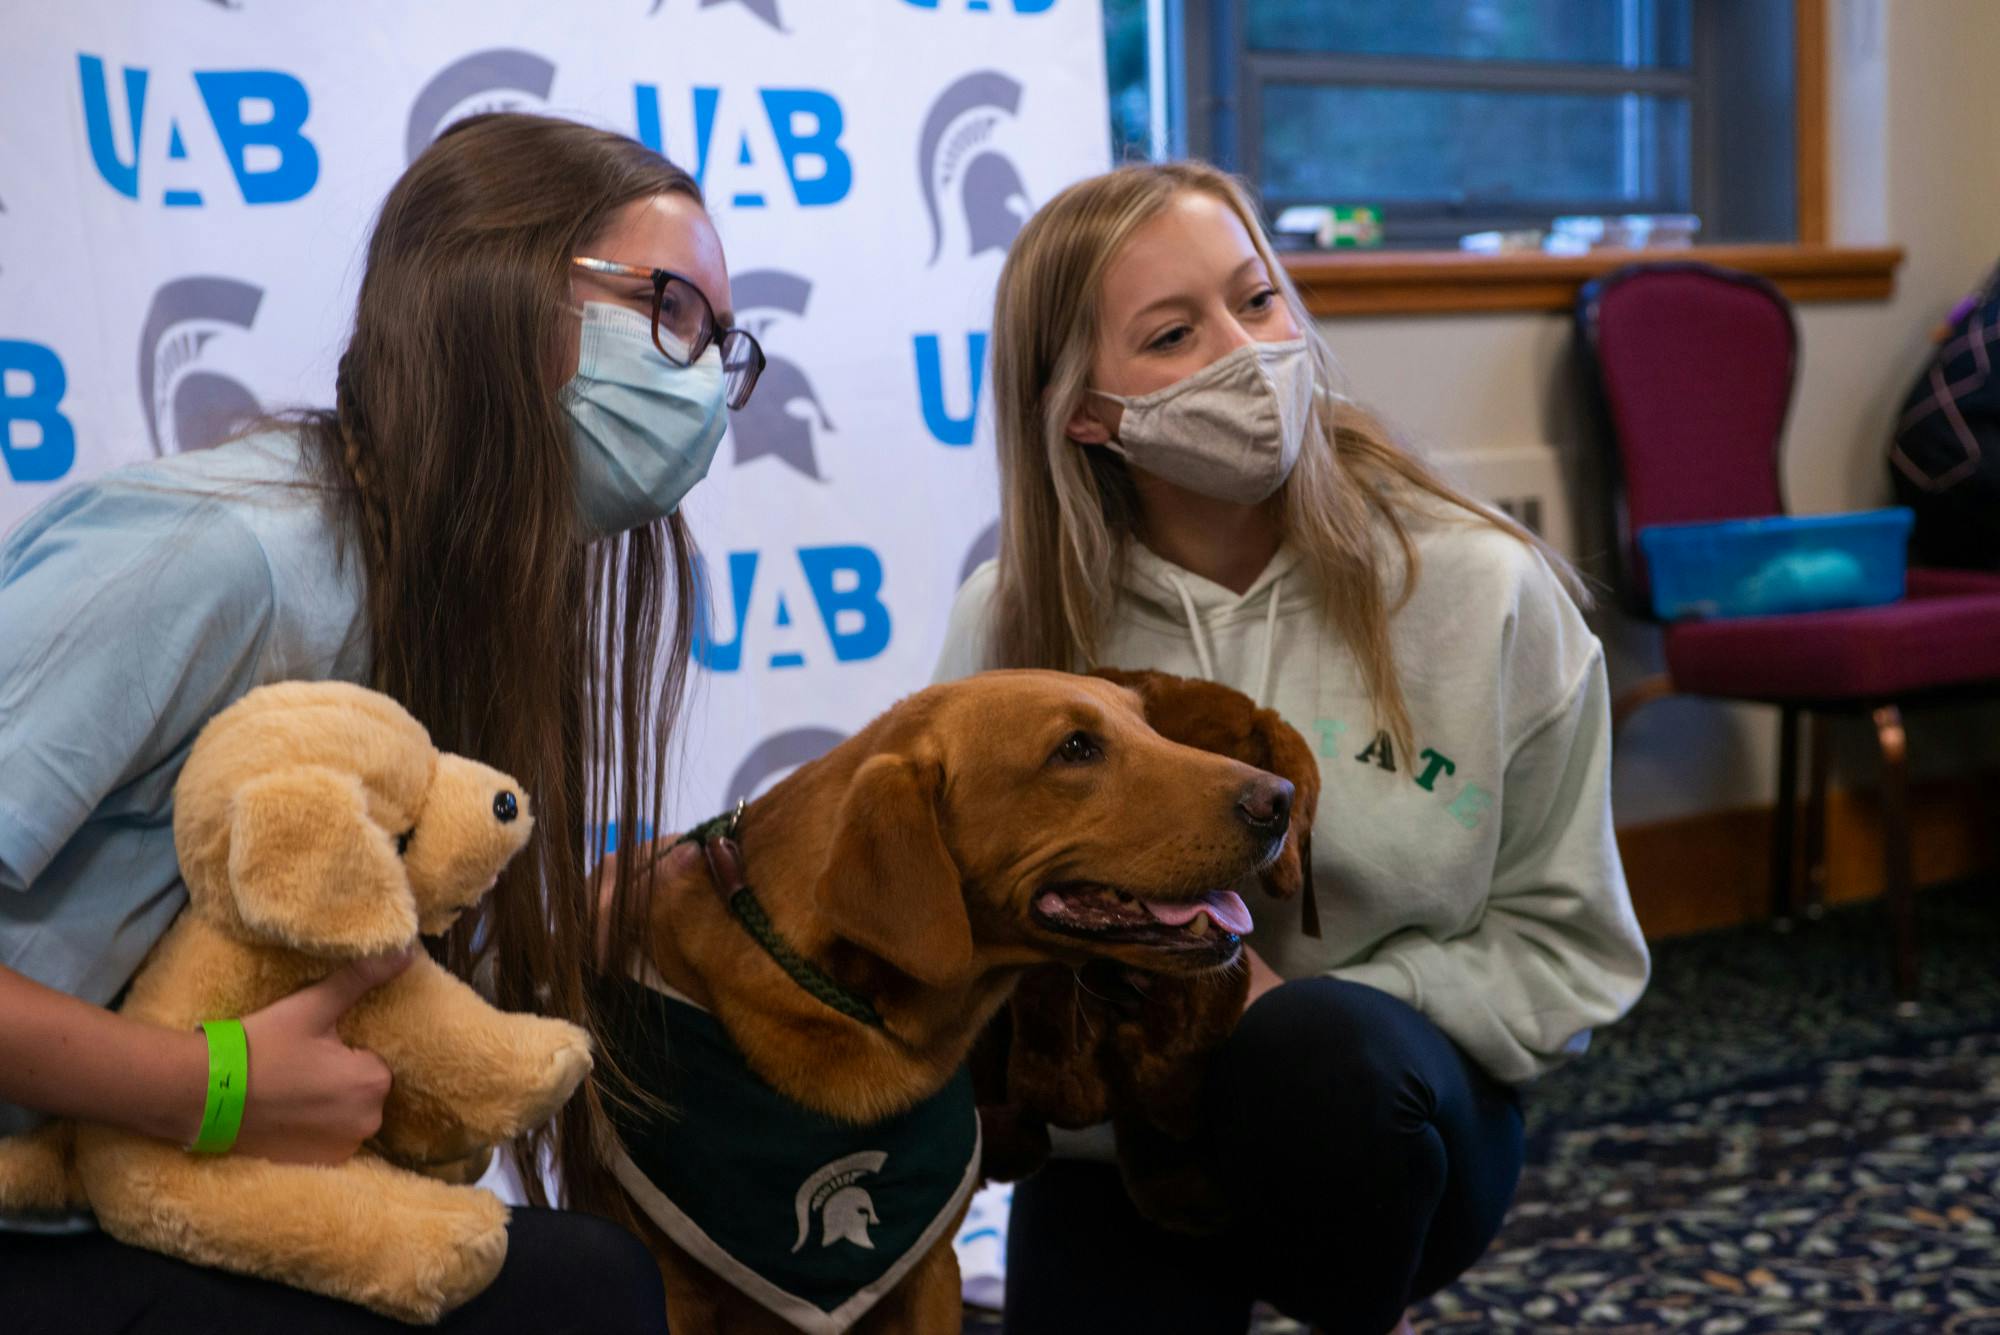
1225, 908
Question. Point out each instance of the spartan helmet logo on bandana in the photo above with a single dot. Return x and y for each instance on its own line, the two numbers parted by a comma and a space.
845, 1209
189, 403
956, 161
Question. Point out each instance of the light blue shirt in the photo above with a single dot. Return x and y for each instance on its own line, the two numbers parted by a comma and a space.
132, 610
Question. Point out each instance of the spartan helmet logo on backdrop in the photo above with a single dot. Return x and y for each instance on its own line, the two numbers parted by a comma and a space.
496, 80
189, 403
775, 757
786, 412
766, 10
963, 175
984, 548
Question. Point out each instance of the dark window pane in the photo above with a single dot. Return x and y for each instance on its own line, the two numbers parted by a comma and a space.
1636, 34
1478, 153
1125, 75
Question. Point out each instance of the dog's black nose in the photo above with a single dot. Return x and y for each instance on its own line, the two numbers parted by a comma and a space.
1266, 804
506, 807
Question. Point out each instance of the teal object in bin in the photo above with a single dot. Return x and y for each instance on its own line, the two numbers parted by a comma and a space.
1764, 567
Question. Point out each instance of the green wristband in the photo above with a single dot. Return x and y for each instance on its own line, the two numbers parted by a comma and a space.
228, 1082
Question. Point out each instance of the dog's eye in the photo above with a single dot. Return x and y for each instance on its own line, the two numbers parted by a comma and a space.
403, 842
1078, 749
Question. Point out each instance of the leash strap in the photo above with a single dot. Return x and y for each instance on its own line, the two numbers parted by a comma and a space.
717, 838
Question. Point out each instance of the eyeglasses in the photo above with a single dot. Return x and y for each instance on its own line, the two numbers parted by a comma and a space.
680, 310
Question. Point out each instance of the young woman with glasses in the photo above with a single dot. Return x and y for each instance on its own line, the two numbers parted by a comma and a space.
483, 526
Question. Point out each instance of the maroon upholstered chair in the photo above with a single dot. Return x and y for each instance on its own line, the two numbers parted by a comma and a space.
1695, 367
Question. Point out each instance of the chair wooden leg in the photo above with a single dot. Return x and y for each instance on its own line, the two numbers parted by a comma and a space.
1784, 825
1819, 767
1892, 740
1636, 697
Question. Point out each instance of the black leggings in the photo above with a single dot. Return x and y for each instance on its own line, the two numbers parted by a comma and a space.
1371, 1160
564, 1272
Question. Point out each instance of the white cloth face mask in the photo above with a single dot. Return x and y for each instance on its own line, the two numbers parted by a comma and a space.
1232, 430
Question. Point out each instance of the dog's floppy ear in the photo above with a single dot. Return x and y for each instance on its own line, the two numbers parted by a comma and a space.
890, 885
307, 867
1284, 753
1149, 684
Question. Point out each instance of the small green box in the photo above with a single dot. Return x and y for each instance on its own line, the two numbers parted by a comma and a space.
1351, 225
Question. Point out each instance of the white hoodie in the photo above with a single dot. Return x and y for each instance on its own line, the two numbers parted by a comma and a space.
1477, 880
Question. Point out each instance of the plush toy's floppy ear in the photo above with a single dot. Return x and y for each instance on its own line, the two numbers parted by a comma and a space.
890, 885
309, 868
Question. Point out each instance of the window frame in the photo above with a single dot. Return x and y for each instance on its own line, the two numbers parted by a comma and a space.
1443, 223
1448, 281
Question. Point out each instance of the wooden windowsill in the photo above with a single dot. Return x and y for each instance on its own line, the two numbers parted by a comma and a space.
1443, 281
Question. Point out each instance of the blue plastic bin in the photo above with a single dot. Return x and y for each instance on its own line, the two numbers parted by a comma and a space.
1762, 567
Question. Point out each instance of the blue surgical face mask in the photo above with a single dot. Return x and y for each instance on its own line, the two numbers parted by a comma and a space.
643, 430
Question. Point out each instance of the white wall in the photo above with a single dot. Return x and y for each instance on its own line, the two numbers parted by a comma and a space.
1914, 138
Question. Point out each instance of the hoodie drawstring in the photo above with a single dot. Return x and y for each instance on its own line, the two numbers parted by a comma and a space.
1201, 654
1270, 647
1205, 657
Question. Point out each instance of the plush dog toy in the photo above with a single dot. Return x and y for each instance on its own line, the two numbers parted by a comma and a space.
1076, 1049
315, 824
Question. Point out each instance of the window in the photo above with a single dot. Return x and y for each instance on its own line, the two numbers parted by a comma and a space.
1127, 33
1458, 116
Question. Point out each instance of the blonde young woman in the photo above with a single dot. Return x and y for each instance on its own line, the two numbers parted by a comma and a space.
1183, 490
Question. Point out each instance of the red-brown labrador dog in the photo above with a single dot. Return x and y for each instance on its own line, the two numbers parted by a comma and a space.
835, 954
1076, 1048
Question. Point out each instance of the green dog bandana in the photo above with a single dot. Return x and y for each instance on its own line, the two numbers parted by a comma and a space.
813, 1218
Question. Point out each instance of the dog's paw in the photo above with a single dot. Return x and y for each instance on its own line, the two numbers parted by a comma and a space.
1012, 1142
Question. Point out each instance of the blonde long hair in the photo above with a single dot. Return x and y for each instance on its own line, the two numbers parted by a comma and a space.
1068, 512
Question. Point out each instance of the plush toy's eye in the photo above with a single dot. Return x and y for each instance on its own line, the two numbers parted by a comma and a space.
505, 808
403, 842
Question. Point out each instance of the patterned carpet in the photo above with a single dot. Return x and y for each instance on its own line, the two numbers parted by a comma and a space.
1749, 1004
1764, 1145
1861, 1195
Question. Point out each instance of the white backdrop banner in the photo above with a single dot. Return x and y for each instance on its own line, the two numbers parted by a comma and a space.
186, 188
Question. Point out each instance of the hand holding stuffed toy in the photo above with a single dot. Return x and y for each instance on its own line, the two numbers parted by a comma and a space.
316, 824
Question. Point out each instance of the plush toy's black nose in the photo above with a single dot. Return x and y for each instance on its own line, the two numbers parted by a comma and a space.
505, 807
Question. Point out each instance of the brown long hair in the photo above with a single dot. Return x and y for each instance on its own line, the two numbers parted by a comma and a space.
492, 614
1067, 512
